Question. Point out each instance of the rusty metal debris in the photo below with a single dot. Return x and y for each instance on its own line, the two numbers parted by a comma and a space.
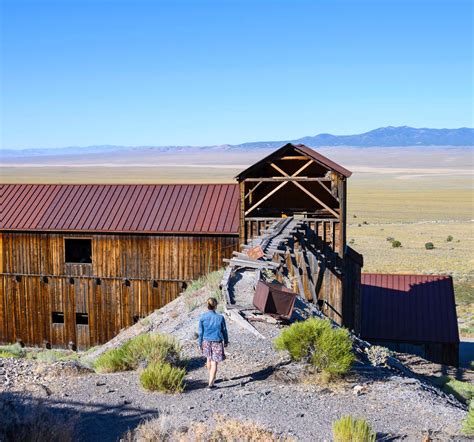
274, 299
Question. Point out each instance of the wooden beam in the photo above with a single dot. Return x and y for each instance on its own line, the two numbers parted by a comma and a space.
280, 185
296, 173
289, 178
260, 181
268, 195
316, 199
303, 188
294, 157
329, 191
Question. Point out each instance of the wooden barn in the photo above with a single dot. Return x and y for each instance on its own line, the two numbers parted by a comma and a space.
80, 262
299, 182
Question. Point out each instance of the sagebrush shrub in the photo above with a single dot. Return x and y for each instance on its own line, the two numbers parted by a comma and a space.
146, 347
429, 246
163, 377
12, 351
111, 361
396, 244
348, 429
449, 238
316, 342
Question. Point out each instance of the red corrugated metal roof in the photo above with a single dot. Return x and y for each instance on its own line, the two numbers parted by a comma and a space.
301, 148
409, 308
150, 208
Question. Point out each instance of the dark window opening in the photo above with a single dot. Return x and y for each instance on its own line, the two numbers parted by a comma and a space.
71, 280
136, 319
58, 317
98, 281
18, 278
82, 319
155, 284
78, 251
127, 283
44, 279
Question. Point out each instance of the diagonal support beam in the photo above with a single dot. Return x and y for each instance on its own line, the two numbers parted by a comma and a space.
268, 195
304, 189
316, 199
252, 189
328, 190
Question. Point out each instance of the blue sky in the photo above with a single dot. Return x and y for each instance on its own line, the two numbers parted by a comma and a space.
177, 72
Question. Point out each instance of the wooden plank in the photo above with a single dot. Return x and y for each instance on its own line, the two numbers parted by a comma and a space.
287, 178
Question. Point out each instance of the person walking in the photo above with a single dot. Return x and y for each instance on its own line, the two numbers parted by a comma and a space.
212, 338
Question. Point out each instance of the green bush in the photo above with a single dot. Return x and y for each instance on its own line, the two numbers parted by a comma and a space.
146, 347
161, 376
429, 246
463, 391
12, 351
468, 423
111, 361
316, 342
396, 243
449, 238
348, 429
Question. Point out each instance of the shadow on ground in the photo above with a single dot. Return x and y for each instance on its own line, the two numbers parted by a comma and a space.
101, 422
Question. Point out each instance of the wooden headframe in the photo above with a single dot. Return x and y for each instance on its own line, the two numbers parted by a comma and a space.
294, 181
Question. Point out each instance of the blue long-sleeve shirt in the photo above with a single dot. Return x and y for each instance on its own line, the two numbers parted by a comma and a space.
212, 327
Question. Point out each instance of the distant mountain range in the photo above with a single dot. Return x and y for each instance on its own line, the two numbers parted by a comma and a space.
385, 137
390, 136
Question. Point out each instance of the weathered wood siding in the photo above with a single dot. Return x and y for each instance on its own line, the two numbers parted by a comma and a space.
130, 276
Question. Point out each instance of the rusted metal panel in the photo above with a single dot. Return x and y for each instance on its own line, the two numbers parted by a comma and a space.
274, 299
180, 208
408, 308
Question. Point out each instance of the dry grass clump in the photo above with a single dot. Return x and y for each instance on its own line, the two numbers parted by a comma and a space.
23, 422
193, 297
163, 377
142, 348
220, 428
51, 356
316, 342
348, 429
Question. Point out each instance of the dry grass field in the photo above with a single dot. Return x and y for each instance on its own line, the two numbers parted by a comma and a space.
415, 196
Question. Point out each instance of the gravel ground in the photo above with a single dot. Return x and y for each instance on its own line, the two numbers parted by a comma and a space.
255, 384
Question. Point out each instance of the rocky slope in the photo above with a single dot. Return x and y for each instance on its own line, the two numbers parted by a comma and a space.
256, 383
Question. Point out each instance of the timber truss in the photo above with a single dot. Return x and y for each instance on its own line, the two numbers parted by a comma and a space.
296, 179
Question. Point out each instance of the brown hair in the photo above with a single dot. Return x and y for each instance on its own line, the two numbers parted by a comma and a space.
211, 303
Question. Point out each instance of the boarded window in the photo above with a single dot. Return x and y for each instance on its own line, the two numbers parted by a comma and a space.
57, 317
82, 319
78, 251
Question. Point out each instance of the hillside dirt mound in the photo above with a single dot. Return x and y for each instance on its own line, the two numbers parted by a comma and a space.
254, 383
